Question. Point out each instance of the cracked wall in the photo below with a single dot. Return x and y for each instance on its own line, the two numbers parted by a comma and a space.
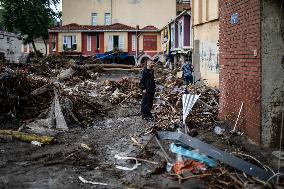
272, 71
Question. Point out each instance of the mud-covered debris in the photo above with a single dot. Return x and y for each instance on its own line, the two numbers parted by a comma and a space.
91, 182
27, 137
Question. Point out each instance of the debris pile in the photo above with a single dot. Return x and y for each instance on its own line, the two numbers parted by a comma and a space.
205, 112
58, 94
27, 96
119, 91
15, 94
168, 107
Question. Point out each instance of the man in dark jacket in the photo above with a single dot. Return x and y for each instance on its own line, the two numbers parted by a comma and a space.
148, 86
187, 72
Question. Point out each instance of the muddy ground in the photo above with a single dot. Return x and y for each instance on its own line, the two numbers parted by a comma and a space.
23, 165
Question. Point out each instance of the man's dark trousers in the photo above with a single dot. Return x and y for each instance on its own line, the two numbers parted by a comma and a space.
147, 104
188, 79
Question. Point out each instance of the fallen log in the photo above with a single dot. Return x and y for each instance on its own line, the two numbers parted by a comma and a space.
28, 137
89, 66
122, 69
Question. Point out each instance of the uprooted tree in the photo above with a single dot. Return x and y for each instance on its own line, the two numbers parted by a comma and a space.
31, 18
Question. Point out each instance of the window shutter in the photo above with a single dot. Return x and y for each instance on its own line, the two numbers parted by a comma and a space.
121, 43
69, 42
110, 43
134, 43
74, 39
89, 43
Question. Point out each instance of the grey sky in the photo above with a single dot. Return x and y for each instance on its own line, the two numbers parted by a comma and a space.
59, 6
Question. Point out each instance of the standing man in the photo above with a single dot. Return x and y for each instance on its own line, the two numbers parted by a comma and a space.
187, 70
148, 87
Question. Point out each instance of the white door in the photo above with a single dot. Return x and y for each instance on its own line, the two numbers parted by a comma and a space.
121, 42
69, 42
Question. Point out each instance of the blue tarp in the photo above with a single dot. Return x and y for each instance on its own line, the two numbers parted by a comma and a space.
111, 55
193, 155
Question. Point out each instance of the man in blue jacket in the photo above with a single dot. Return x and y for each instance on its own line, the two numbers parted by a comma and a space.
148, 87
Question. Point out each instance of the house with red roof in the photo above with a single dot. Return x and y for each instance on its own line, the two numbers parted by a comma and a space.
88, 40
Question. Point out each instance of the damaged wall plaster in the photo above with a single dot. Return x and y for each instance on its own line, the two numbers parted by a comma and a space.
272, 72
206, 53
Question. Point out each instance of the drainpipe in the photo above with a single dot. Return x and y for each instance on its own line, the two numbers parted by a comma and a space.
137, 39
111, 11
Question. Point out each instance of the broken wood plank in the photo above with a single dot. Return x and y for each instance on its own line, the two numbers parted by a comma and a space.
206, 105
42, 90
25, 137
59, 117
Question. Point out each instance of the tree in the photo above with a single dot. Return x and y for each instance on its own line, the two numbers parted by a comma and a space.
1, 18
31, 18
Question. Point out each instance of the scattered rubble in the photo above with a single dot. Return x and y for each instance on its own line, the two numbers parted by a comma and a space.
65, 104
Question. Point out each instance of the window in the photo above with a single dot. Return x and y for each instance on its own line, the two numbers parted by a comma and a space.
53, 43
107, 19
70, 42
98, 41
180, 34
115, 42
94, 19
89, 43
173, 36
134, 43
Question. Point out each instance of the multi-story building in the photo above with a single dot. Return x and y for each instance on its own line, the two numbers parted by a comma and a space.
177, 38
128, 12
205, 16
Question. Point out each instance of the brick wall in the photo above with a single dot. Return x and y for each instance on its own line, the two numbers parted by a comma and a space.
240, 66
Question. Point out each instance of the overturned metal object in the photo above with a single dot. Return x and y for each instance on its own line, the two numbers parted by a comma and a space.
218, 154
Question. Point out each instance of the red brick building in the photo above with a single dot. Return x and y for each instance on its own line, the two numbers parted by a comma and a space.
252, 67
